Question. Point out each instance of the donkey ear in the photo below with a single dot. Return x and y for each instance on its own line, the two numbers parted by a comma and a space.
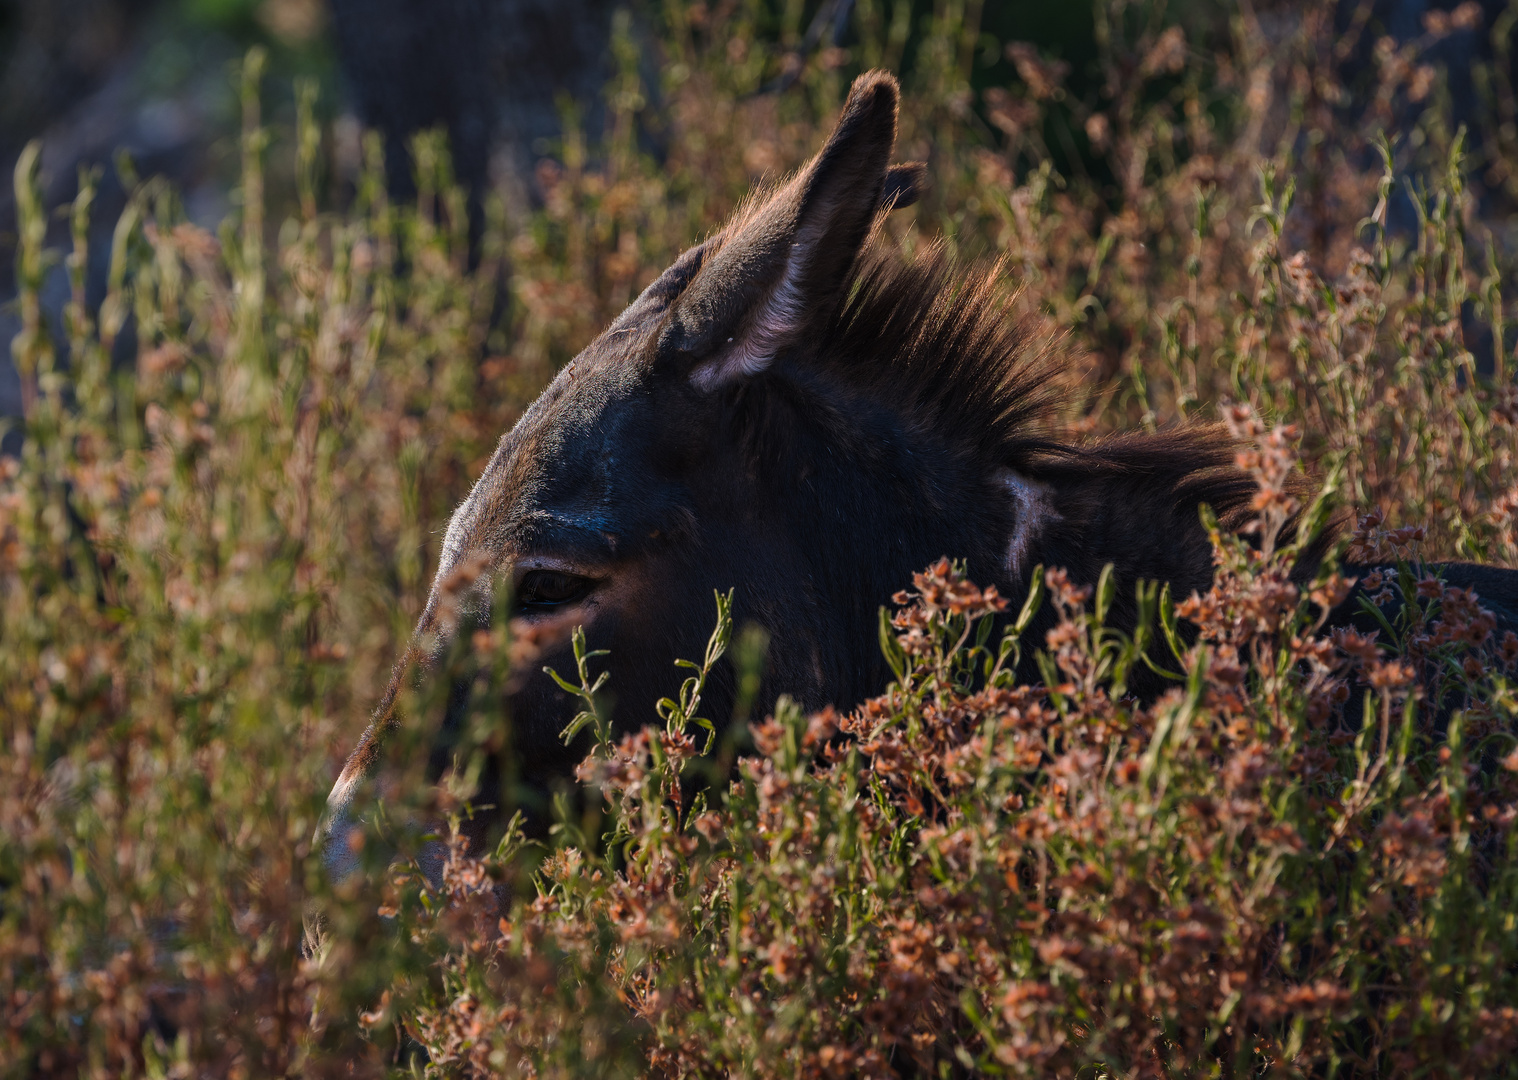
783, 265
903, 185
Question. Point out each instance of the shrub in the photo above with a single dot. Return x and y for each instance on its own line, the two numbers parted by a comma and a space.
972, 875
217, 532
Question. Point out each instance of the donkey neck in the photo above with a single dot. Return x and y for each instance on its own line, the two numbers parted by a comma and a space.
869, 495
1135, 505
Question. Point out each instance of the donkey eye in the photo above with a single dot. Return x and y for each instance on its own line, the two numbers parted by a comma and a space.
550, 588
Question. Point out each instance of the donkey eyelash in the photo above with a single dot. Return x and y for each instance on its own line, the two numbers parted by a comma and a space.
541, 590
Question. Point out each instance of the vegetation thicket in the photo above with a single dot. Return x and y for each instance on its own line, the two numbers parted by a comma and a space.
230, 494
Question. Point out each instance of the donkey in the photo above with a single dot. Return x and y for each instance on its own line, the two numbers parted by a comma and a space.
793, 412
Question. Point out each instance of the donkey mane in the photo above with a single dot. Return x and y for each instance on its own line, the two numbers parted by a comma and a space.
935, 343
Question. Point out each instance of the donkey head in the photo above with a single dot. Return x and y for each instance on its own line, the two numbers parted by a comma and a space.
700, 443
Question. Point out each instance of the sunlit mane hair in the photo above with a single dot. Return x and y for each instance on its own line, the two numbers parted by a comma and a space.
936, 342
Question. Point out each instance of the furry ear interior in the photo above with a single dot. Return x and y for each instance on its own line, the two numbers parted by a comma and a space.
783, 264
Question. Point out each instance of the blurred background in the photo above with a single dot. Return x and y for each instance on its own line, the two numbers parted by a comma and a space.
141, 88
149, 87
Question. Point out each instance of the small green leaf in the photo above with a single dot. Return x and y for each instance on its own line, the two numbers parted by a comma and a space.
564, 684
1106, 589
576, 726
890, 647
1032, 603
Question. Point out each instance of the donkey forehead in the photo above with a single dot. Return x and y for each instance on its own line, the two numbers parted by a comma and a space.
573, 475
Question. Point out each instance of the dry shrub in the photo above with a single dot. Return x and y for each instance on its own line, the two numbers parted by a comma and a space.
1297, 861
1276, 866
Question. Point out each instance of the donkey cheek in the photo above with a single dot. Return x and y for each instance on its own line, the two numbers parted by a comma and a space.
540, 708
539, 712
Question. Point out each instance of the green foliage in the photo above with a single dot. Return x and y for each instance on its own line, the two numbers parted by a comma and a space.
225, 512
